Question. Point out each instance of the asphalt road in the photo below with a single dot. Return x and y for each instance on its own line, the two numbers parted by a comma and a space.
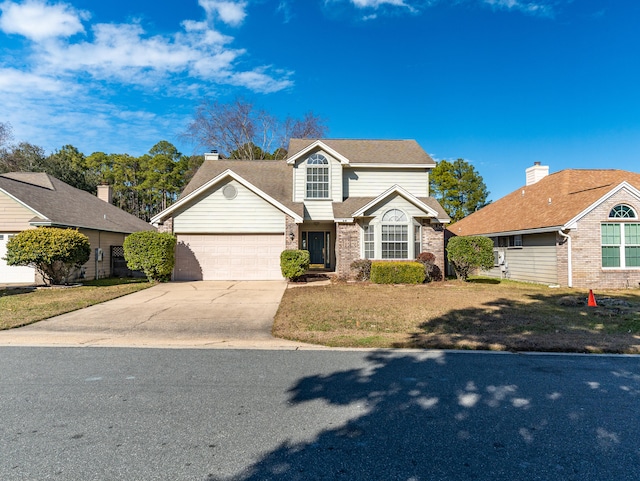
147, 414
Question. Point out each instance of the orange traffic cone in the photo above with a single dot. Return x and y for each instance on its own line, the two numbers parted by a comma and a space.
592, 299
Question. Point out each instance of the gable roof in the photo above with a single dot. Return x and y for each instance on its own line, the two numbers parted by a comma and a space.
56, 203
549, 204
271, 178
358, 151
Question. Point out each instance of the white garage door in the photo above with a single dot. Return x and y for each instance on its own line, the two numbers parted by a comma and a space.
213, 257
13, 274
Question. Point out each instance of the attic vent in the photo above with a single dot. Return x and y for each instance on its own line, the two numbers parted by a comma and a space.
229, 191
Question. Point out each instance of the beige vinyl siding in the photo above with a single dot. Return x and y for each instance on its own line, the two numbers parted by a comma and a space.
395, 202
535, 261
300, 179
318, 210
14, 217
372, 182
104, 241
214, 213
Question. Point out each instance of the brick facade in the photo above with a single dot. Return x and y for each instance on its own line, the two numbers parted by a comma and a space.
433, 241
291, 227
586, 256
347, 247
166, 226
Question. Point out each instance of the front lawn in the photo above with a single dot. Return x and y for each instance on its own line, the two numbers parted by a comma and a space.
22, 306
481, 314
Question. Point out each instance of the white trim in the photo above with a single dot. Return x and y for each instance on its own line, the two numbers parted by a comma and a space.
541, 230
391, 166
397, 190
323, 146
44, 217
227, 173
569, 261
571, 224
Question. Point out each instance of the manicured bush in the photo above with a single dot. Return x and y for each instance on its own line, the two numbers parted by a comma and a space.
362, 268
431, 270
55, 253
151, 252
294, 263
397, 272
467, 253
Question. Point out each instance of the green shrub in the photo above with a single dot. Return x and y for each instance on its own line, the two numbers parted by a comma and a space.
362, 268
397, 272
151, 252
55, 253
467, 253
294, 263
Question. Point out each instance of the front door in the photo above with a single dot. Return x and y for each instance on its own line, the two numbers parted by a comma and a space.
316, 247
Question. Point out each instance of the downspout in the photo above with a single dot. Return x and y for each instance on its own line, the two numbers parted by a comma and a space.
569, 264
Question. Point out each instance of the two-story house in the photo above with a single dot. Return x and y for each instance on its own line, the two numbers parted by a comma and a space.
341, 200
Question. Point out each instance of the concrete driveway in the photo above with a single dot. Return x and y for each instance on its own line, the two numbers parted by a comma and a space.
178, 314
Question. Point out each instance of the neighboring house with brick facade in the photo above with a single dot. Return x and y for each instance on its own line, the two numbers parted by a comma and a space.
34, 199
341, 200
575, 228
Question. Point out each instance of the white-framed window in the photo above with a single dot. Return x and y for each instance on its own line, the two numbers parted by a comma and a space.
369, 241
317, 177
417, 239
395, 235
620, 241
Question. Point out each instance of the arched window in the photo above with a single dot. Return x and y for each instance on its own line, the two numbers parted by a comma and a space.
620, 241
317, 177
622, 211
395, 235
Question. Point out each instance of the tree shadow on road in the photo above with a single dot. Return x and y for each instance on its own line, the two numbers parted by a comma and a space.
443, 416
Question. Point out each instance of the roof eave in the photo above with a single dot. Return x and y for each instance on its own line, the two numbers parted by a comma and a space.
312, 146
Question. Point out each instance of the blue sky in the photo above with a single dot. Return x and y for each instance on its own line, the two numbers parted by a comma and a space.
500, 83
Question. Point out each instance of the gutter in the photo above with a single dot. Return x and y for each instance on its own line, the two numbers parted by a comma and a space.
569, 263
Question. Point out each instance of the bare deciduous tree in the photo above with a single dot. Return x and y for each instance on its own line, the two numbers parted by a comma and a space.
240, 130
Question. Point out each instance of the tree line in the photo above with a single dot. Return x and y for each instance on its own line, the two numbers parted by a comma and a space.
146, 185
142, 186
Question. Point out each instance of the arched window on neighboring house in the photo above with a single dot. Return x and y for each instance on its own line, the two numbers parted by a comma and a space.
620, 241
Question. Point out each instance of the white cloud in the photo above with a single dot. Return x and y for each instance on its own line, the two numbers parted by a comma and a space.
39, 21
18, 82
126, 53
378, 3
523, 6
540, 7
231, 13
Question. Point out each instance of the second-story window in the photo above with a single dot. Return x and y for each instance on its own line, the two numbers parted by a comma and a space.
317, 177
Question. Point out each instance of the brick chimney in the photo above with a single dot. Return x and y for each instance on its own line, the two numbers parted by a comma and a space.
536, 173
105, 193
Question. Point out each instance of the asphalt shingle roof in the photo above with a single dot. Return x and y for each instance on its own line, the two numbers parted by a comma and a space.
64, 205
552, 201
273, 177
371, 151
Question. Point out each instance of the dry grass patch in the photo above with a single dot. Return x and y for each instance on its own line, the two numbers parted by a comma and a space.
481, 314
22, 306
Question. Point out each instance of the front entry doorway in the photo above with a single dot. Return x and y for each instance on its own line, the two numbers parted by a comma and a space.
317, 243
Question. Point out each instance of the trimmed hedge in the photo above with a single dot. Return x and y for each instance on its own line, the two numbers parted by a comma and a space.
468, 253
397, 272
294, 263
151, 252
55, 253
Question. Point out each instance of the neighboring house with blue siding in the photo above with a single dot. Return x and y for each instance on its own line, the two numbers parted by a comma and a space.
339, 199
576, 228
